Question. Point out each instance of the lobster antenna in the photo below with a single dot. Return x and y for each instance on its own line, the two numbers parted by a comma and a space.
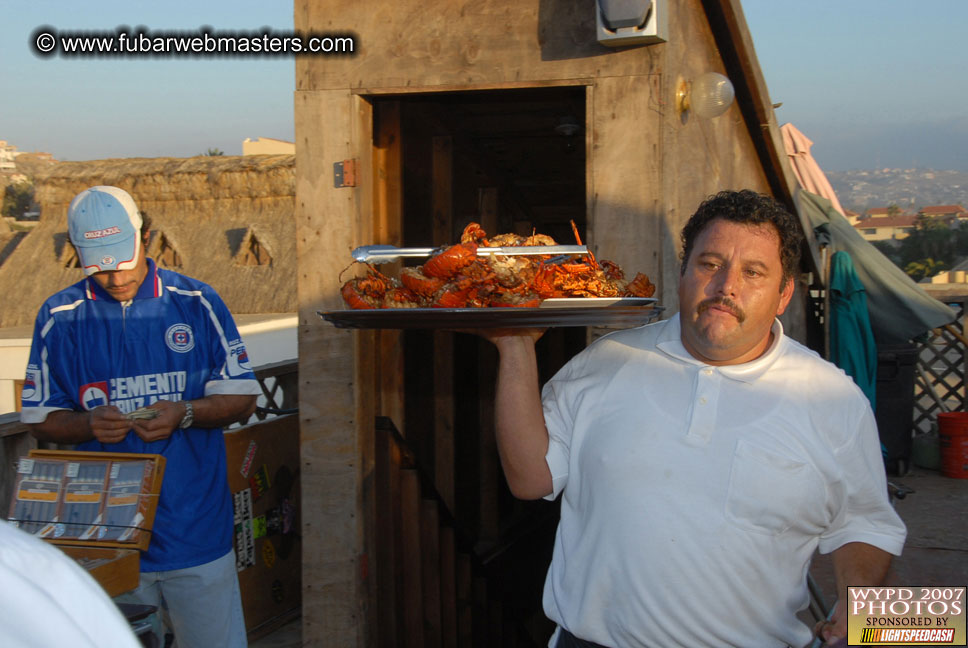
340, 278
574, 228
591, 257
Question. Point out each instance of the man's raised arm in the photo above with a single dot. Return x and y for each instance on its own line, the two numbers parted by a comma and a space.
522, 438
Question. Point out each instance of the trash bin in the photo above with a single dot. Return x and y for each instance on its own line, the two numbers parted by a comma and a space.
894, 411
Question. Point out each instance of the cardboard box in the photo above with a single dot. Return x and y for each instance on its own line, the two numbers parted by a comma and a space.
263, 473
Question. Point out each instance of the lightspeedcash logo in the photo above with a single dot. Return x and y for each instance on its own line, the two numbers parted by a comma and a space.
906, 616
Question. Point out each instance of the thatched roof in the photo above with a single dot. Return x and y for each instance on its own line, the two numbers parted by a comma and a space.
206, 210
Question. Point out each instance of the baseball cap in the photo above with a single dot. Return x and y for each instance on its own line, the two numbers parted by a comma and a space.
105, 226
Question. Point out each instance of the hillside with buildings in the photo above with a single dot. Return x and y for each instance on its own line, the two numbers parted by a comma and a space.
909, 189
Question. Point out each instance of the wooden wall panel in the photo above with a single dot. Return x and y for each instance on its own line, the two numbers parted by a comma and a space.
699, 156
624, 191
442, 208
336, 410
408, 44
388, 229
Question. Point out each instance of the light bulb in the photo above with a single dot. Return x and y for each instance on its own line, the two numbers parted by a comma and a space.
711, 95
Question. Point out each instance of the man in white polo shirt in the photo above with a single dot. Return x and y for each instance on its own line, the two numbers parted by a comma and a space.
701, 460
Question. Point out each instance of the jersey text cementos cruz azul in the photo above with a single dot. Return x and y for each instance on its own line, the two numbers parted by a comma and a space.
128, 393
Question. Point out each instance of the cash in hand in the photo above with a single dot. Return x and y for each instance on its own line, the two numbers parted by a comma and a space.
143, 414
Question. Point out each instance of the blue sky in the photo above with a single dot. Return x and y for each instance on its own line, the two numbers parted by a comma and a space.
874, 83
91, 108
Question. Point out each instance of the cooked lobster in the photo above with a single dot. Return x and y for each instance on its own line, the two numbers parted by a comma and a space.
455, 276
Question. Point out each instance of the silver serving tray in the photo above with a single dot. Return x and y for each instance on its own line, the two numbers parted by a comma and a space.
625, 312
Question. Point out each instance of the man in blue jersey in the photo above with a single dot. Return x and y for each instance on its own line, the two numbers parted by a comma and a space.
129, 336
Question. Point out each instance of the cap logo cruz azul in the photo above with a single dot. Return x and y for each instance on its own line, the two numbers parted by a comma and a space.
101, 233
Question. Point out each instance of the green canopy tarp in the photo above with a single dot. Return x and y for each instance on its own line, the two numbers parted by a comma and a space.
899, 309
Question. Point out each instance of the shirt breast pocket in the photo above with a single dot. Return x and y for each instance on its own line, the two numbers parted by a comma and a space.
769, 492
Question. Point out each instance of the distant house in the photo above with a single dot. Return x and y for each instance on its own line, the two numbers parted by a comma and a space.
957, 274
26, 157
267, 146
876, 212
7, 154
885, 224
953, 215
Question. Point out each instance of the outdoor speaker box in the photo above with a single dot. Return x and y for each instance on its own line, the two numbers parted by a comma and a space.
622, 23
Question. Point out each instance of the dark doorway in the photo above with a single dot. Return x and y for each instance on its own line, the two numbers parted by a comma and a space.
513, 161
517, 160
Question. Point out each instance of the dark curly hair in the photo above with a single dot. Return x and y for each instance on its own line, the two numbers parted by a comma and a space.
750, 208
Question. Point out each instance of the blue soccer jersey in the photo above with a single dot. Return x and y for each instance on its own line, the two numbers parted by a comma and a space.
175, 340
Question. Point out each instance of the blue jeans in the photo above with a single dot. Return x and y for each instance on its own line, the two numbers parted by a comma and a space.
201, 606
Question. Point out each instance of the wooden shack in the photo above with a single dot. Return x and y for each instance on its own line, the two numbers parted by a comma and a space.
510, 113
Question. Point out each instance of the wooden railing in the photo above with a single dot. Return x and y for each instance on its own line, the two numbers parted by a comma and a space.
15, 442
280, 388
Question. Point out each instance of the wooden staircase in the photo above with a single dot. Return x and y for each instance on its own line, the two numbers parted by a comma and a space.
434, 586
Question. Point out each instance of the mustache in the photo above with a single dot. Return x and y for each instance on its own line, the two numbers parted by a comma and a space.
725, 302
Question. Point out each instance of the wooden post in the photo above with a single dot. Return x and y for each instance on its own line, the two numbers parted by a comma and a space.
488, 465
413, 616
495, 623
465, 601
15, 442
430, 568
487, 209
388, 229
385, 551
335, 370
489, 480
442, 177
448, 588
399, 559
481, 618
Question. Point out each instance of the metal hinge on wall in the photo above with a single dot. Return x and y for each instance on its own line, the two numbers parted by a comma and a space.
344, 173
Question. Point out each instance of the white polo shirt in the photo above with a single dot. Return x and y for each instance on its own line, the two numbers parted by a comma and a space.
694, 496
47, 599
